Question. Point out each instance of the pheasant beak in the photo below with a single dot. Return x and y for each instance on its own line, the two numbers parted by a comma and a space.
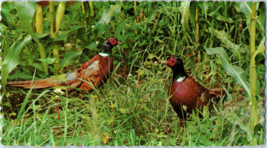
119, 43
165, 62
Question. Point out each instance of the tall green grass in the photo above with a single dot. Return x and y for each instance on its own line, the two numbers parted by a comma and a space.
132, 108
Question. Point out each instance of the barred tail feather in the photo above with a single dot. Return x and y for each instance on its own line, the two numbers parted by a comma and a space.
38, 84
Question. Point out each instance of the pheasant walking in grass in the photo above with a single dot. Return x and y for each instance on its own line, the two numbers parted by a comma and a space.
187, 94
94, 71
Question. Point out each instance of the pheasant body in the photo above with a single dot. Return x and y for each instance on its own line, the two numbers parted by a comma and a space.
93, 72
187, 94
190, 94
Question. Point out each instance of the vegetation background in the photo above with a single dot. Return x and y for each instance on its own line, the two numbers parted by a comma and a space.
214, 39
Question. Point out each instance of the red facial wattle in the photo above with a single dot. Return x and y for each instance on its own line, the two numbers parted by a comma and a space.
113, 42
171, 61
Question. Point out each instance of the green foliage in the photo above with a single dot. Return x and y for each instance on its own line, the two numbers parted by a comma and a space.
234, 71
132, 107
12, 58
48, 60
193, 6
237, 50
185, 11
101, 25
69, 58
260, 49
25, 12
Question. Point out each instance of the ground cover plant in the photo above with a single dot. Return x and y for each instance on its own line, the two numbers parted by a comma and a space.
221, 44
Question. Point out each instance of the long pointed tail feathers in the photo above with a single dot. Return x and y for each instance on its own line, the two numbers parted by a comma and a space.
38, 84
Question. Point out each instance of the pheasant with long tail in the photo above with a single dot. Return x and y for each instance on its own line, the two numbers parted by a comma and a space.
93, 72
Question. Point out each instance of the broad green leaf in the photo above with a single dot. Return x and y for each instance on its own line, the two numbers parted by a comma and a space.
6, 19
106, 17
12, 57
246, 8
69, 58
225, 39
48, 60
184, 9
25, 12
61, 77
235, 71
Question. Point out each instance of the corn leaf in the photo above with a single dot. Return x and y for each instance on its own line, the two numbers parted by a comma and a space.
235, 71
25, 12
225, 39
13, 56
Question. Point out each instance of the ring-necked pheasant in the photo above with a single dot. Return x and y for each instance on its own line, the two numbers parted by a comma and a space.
187, 94
94, 71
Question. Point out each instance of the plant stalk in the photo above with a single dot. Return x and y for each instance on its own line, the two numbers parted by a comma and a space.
43, 56
59, 19
52, 19
84, 21
83, 10
91, 6
253, 74
56, 56
197, 25
39, 19
40, 29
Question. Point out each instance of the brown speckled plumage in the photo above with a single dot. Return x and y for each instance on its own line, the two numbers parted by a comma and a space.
93, 72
